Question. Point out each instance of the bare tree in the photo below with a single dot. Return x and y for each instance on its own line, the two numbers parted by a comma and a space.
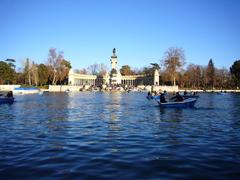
222, 78
93, 69
27, 64
62, 71
34, 73
192, 76
82, 71
173, 60
54, 61
102, 69
97, 69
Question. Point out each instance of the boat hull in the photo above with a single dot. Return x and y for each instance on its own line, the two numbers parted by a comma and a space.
6, 100
25, 91
183, 104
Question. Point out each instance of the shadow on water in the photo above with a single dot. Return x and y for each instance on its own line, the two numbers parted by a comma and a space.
174, 115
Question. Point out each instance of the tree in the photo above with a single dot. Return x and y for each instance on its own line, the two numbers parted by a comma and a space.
6, 73
192, 76
93, 69
62, 71
43, 74
34, 73
222, 78
147, 71
235, 71
102, 69
20, 78
113, 71
54, 62
173, 60
126, 70
27, 71
97, 69
210, 74
11, 63
81, 71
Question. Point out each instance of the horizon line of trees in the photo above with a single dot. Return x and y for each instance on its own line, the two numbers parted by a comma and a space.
55, 71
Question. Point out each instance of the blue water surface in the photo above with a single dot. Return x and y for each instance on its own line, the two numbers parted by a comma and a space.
86, 135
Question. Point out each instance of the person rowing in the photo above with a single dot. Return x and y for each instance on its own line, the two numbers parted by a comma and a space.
177, 97
162, 98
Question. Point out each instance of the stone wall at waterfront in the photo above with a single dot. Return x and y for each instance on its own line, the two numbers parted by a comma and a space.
165, 88
8, 87
62, 88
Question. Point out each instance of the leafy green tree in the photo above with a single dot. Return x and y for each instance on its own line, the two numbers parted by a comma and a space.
11, 63
7, 74
235, 71
126, 70
66, 63
147, 71
113, 71
43, 74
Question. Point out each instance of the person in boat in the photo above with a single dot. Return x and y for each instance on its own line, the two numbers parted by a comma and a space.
185, 93
9, 94
177, 97
149, 93
162, 98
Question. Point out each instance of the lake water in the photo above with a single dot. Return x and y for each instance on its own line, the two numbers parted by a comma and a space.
118, 135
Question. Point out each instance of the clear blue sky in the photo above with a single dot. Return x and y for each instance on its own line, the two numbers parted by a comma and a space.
140, 30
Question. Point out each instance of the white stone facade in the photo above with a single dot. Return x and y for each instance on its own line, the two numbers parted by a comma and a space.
113, 78
81, 79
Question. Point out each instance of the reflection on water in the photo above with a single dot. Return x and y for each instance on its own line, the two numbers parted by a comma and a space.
118, 135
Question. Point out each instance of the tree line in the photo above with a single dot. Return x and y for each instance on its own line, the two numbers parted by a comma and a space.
171, 66
194, 76
54, 71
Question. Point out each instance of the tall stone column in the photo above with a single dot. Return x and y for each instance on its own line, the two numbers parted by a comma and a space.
156, 77
115, 76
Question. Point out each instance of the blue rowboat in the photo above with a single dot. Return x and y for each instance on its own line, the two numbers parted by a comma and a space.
4, 100
182, 104
26, 90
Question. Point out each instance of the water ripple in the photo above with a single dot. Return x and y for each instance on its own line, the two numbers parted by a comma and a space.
118, 135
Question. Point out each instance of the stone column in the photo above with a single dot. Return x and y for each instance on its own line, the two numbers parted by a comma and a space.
156, 77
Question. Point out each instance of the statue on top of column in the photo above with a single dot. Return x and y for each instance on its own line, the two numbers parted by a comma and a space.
114, 51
